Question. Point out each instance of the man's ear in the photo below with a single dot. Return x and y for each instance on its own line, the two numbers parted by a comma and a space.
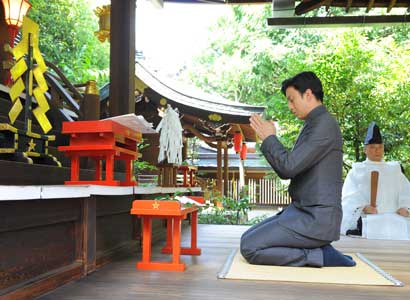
309, 94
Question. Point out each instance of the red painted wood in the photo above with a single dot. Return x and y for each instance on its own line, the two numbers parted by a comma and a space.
174, 213
101, 140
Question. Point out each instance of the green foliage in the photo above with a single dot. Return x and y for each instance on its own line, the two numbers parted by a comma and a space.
256, 220
67, 39
364, 71
232, 212
140, 165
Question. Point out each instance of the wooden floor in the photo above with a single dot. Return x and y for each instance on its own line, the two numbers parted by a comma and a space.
121, 281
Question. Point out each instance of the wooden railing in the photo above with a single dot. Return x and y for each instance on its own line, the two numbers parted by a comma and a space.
262, 191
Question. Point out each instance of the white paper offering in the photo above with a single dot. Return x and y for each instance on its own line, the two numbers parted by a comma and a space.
134, 122
185, 199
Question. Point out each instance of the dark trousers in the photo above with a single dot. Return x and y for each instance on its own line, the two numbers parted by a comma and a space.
269, 243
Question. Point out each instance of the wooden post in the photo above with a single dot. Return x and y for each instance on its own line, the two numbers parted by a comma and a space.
4, 39
219, 166
89, 234
184, 149
90, 107
122, 57
226, 169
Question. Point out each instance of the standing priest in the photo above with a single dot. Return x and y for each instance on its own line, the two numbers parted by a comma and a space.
386, 218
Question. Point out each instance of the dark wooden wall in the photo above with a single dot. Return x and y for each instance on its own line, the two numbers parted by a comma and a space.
46, 243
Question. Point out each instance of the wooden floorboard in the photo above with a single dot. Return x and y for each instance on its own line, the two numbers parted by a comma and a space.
121, 281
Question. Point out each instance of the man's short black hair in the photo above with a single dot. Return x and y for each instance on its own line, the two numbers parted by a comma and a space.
303, 81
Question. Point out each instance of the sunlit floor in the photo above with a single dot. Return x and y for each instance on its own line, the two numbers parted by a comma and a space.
121, 281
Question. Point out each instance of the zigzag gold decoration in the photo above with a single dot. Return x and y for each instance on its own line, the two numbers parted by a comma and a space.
36, 77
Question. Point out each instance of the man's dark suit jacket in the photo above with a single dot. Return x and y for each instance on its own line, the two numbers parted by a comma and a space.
315, 168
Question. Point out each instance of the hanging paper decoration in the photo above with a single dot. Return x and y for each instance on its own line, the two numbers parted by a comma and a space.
244, 149
237, 141
170, 141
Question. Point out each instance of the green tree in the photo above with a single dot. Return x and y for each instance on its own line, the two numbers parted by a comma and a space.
67, 39
364, 74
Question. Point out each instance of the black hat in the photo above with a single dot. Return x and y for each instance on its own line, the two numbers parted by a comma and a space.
373, 135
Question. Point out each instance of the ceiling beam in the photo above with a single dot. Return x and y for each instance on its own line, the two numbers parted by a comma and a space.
391, 5
329, 3
348, 5
347, 21
306, 6
369, 6
198, 134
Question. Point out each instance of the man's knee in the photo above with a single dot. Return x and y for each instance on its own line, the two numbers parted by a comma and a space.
247, 249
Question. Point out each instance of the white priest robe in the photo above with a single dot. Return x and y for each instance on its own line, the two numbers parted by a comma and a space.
393, 192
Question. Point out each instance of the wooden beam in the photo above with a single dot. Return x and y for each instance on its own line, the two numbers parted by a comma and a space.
122, 57
329, 3
219, 166
198, 134
391, 5
226, 169
306, 6
349, 21
348, 5
369, 6
214, 146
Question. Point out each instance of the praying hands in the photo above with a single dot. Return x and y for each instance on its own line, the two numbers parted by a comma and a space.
263, 128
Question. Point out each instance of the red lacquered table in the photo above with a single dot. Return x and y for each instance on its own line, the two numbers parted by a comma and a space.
101, 140
174, 212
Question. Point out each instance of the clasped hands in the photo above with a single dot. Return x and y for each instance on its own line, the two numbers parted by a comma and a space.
263, 128
370, 210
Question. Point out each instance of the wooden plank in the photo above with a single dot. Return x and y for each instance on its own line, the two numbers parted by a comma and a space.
17, 173
44, 283
25, 254
19, 215
89, 224
199, 279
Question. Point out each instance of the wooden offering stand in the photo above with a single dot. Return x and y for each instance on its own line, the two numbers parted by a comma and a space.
174, 212
101, 140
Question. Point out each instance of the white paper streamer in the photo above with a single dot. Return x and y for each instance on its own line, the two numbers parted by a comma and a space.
170, 140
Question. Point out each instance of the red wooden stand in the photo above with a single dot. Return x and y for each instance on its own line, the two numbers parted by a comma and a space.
188, 171
101, 140
174, 213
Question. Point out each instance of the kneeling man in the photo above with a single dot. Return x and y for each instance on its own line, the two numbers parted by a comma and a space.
301, 234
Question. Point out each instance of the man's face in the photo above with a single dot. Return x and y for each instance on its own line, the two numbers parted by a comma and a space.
374, 152
298, 103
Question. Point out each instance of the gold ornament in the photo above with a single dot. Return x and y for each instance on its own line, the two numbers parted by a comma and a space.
18, 71
215, 117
